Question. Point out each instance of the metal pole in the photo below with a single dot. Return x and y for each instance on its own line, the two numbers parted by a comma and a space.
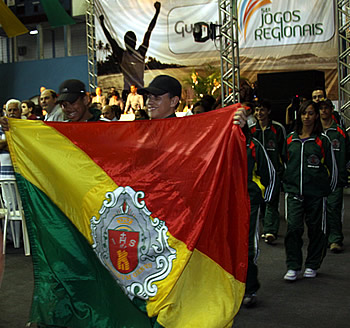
343, 15
91, 44
229, 52
67, 40
40, 42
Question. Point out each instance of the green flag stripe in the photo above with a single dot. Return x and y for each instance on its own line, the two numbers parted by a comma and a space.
72, 288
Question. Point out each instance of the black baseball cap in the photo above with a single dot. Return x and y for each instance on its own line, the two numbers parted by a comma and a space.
162, 84
71, 90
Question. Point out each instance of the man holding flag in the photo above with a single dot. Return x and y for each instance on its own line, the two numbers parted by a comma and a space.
164, 94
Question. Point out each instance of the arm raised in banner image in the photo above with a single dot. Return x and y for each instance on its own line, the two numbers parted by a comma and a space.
145, 43
117, 50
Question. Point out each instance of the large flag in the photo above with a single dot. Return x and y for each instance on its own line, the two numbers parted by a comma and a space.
135, 224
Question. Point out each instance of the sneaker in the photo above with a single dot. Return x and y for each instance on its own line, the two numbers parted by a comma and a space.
269, 238
336, 248
263, 236
291, 275
250, 300
310, 273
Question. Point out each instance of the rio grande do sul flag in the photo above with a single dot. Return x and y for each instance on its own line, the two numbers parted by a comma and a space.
135, 224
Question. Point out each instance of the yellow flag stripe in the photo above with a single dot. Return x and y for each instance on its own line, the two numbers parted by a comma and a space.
183, 255
201, 290
50, 161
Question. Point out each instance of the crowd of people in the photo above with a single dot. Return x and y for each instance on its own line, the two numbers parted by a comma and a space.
309, 164
51, 106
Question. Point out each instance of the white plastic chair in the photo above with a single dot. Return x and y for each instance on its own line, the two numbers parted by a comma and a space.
13, 211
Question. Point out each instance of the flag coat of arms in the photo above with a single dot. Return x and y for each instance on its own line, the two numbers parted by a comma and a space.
135, 224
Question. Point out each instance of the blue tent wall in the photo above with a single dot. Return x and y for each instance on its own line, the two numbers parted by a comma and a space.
23, 80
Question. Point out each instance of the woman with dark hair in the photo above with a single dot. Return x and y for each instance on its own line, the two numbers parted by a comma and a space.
310, 175
308, 113
28, 108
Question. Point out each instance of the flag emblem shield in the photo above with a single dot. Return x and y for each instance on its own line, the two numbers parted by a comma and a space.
131, 244
123, 249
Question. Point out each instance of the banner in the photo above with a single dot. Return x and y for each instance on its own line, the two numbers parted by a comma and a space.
267, 23
274, 36
138, 220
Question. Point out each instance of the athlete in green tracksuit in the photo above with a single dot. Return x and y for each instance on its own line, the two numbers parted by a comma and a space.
341, 147
261, 187
272, 135
310, 175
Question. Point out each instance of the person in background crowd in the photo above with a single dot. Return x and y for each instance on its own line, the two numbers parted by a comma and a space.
132, 61
99, 98
75, 102
198, 108
271, 134
134, 101
109, 113
53, 111
141, 114
38, 112
13, 110
310, 176
206, 104
27, 110
319, 94
110, 93
115, 100
341, 147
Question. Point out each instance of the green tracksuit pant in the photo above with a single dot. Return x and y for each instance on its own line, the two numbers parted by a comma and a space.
334, 216
271, 221
252, 283
312, 210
